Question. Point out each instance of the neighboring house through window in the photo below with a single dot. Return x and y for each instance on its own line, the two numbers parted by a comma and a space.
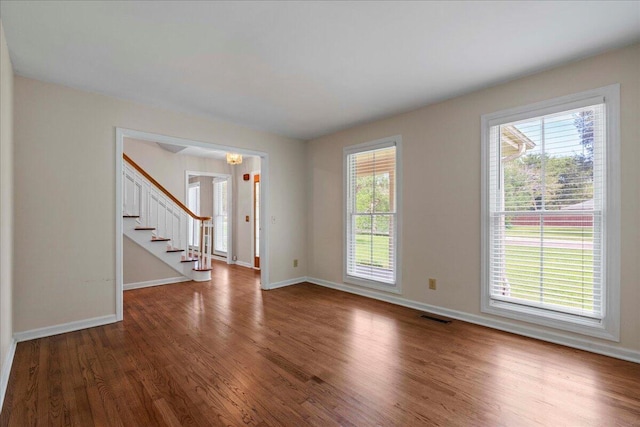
372, 214
550, 251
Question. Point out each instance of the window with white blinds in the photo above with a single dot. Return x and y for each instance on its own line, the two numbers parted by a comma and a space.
220, 216
546, 213
372, 214
193, 203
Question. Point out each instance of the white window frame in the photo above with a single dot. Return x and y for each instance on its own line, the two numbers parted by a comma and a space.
193, 185
609, 326
227, 181
359, 148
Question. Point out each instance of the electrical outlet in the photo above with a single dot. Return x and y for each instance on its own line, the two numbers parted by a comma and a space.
295, 262
432, 284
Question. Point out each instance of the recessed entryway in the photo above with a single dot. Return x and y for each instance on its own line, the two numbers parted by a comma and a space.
227, 189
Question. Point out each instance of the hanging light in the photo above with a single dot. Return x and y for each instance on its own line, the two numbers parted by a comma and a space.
234, 158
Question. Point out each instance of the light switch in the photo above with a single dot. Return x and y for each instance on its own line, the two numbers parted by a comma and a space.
246, 218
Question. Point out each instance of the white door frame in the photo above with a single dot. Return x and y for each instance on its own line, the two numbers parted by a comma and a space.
122, 133
229, 179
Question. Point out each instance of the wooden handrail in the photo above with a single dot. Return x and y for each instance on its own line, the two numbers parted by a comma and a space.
164, 190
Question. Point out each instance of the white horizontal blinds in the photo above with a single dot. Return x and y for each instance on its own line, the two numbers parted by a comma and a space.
220, 225
547, 197
220, 194
371, 215
194, 206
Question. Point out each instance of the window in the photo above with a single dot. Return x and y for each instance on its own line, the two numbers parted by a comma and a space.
193, 203
372, 179
550, 213
220, 216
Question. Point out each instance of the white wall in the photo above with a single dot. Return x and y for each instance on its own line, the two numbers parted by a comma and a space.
6, 204
441, 192
67, 137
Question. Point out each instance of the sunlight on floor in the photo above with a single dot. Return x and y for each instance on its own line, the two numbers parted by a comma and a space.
373, 358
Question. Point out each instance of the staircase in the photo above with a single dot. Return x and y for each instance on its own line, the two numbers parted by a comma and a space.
157, 221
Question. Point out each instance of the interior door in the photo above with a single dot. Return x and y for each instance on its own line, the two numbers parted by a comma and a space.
256, 220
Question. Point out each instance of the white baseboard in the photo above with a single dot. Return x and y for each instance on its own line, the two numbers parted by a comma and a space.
284, 283
63, 328
148, 283
243, 264
556, 338
6, 370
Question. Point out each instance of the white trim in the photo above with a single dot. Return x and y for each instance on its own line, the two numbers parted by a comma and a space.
172, 140
371, 284
552, 106
377, 144
6, 370
122, 133
159, 282
245, 264
527, 331
64, 328
265, 213
288, 282
613, 209
387, 142
609, 327
119, 226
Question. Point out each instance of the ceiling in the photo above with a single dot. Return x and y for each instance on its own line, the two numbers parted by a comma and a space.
303, 69
196, 151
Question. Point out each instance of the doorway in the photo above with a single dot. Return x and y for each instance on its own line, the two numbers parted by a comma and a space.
202, 147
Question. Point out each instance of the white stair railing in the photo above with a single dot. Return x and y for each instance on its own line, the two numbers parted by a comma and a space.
156, 208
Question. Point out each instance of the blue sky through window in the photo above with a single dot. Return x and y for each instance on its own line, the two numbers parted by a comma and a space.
561, 135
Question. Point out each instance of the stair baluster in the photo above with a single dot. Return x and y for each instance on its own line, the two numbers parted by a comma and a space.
157, 208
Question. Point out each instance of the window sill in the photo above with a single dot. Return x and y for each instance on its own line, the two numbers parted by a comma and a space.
372, 284
567, 322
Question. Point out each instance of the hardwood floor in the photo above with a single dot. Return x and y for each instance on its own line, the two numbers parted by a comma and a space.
225, 353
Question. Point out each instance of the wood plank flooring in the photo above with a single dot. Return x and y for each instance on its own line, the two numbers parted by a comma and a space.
225, 353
